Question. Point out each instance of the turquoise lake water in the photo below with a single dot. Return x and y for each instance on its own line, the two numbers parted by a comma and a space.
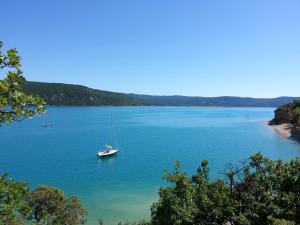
151, 139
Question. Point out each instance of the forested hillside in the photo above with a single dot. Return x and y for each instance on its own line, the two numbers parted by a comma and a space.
69, 94
226, 101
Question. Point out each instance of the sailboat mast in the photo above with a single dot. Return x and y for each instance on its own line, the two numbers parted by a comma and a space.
113, 134
111, 130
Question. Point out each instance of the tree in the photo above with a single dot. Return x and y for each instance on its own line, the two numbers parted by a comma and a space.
12, 200
49, 206
268, 192
263, 192
43, 205
176, 205
296, 116
212, 198
142, 222
296, 103
15, 105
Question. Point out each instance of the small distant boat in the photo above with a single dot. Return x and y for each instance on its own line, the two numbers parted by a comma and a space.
108, 151
48, 125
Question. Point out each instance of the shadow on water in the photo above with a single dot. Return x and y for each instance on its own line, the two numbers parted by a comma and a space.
107, 159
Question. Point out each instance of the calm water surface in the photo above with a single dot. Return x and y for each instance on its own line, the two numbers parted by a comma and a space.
151, 139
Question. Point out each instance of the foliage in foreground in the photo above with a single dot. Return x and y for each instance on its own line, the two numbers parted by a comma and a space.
41, 206
261, 192
15, 105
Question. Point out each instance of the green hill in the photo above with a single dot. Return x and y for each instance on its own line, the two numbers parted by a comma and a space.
69, 94
225, 101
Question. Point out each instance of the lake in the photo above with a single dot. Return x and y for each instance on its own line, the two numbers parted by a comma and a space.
151, 139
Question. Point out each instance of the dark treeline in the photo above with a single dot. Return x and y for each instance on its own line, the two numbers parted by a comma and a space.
69, 94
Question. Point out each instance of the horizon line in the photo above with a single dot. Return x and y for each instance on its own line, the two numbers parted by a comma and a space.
168, 95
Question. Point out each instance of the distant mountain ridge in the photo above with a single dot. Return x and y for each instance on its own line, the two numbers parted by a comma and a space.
70, 94
213, 101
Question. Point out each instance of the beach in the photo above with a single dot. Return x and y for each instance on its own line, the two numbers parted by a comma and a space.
286, 130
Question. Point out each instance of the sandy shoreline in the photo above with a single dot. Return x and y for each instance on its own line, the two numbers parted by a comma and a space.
286, 130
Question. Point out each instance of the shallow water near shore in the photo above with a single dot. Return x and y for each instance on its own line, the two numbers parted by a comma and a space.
151, 139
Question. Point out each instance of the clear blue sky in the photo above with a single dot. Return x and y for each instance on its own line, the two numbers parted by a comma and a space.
195, 47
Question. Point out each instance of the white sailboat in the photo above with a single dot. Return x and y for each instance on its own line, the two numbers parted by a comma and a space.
109, 150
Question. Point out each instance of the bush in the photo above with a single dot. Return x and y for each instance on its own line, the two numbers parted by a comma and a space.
296, 116
260, 190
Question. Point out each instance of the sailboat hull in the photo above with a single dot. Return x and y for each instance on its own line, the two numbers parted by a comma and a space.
107, 153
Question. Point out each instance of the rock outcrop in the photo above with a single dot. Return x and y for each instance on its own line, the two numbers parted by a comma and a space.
282, 115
